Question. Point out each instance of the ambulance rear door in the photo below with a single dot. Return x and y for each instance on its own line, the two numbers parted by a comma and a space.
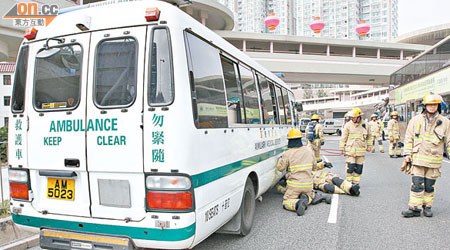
56, 103
114, 116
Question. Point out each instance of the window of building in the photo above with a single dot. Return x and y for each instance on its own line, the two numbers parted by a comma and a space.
208, 97
6, 79
6, 101
115, 72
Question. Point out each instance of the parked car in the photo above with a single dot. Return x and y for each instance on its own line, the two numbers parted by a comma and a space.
333, 126
303, 123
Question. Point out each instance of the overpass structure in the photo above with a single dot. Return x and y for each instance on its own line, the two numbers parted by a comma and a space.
323, 60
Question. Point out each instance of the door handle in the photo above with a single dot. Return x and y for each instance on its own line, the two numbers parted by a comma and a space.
57, 173
72, 163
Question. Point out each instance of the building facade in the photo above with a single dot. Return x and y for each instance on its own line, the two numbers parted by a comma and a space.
6, 80
340, 17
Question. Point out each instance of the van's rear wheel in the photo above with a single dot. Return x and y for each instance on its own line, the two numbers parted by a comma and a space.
247, 207
338, 132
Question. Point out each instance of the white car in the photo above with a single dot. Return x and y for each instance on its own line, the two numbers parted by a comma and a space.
333, 126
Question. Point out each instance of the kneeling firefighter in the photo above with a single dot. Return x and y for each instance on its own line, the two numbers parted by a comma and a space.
376, 129
425, 141
315, 136
354, 142
300, 162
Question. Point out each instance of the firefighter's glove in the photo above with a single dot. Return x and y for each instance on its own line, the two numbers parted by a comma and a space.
400, 144
391, 139
406, 167
328, 165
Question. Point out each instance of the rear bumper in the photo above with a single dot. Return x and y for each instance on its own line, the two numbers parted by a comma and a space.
61, 239
180, 233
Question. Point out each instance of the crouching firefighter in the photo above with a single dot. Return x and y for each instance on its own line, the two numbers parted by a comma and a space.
315, 136
376, 129
354, 142
331, 183
424, 146
300, 162
394, 136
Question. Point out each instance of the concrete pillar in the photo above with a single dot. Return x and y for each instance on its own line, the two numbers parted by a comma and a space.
378, 53
401, 54
300, 48
328, 50
244, 45
271, 46
203, 17
354, 52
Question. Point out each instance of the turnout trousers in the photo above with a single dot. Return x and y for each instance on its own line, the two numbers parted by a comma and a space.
354, 168
422, 186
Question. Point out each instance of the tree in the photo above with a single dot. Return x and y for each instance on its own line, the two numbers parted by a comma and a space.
321, 93
4, 143
308, 94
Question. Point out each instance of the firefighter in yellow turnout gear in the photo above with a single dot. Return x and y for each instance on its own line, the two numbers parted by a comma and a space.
376, 128
424, 147
355, 140
331, 183
300, 162
315, 136
394, 136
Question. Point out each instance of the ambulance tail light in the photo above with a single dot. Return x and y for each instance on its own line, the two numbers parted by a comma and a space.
169, 192
30, 33
152, 14
19, 184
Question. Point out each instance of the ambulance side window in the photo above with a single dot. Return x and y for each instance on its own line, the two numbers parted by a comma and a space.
250, 96
18, 95
235, 103
287, 107
281, 105
160, 89
58, 77
266, 100
115, 72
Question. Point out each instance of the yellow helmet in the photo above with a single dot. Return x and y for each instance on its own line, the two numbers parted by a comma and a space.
432, 99
374, 115
394, 113
356, 112
294, 134
315, 117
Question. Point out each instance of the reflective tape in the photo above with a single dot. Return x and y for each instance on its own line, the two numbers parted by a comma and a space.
300, 167
299, 184
437, 160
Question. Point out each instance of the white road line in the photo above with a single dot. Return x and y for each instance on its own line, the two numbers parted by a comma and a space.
446, 161
332, 218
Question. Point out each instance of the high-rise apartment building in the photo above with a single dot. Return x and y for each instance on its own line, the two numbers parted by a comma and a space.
340, 17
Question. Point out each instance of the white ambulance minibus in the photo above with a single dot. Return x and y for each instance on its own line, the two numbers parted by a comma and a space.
133, 125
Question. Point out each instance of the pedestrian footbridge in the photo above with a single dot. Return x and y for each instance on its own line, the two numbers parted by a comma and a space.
323, 60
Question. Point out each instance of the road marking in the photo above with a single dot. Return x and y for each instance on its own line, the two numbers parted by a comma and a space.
332, 218
446, 161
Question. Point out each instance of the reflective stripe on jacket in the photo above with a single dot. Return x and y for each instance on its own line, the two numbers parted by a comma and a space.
393, 129
424, 141
355, 138
300, 162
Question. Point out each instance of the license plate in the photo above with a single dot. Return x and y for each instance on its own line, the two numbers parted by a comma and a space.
63, 189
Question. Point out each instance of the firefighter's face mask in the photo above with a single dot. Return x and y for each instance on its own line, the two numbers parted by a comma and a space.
432, 108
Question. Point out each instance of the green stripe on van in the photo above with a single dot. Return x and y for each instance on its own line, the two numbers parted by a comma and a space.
204, 178
132, 232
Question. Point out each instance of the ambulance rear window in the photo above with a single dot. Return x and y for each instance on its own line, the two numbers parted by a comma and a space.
57, 78
19, 81
115, 72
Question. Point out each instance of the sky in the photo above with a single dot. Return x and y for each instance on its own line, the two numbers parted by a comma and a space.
418, 14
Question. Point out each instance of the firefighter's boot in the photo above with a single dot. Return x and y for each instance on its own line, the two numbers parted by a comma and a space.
354, 190
411, 212
319, 197
427, 212
302, 204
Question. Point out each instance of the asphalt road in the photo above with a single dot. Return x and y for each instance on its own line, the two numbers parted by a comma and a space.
370, 221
